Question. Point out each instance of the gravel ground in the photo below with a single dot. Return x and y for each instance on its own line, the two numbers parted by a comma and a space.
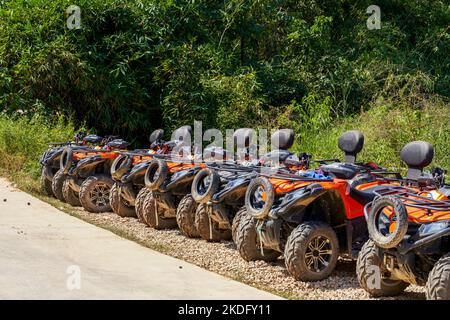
223, 259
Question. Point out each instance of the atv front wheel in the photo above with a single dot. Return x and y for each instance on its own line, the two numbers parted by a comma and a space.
311, 252
207, 228
186, 216
140, 198
370, 269
153, 214
247, 242
57, 184
70, 196
438, 284
118, 204
46, 184
94, 193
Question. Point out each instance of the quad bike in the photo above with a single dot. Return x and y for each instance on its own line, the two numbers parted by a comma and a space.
312, 217
85, 175
168, 184
128, 170
50, 160
409, 229
220, 190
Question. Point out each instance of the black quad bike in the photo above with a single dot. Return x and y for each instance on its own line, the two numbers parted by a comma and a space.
312, 217
87, 175
128, 170
50, 160
220, 189
409, 228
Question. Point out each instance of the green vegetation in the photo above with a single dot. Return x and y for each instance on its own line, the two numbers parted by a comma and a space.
307, 64
22, 142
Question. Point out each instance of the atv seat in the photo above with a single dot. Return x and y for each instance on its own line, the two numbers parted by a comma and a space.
92, 138
340, 170
118, 144
417, 155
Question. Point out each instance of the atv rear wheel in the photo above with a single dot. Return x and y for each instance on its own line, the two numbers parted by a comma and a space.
57, 184
378, 223
205, 185
153, 214
46, 184
311, 252
186, 216
70, 196
438, 284
247, 242
140, 198
94, 193
207, 228
369, 271
236, 220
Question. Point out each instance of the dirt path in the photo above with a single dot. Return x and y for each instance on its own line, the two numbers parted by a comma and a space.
47, 254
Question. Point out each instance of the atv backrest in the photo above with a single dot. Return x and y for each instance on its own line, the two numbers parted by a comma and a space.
92, 138
156, 136
243, 137
417, 155
351, 142
182, 133
282, 139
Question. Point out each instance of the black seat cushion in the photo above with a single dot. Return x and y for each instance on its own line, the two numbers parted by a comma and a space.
182, 133
92, 138
340, 170
118, 144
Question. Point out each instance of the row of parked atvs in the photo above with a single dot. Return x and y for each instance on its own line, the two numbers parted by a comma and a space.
397, 227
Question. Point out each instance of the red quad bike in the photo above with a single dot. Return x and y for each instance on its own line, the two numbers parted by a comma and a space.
128, 170
53, 178
87, 175
312, 217
220, 188
409, 228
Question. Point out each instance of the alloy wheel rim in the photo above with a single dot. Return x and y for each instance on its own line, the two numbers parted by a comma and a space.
318, 254
100, 195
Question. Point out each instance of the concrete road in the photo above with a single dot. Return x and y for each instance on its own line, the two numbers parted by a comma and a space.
47, 254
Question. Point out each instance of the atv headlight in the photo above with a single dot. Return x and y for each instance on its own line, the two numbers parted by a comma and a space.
433, 227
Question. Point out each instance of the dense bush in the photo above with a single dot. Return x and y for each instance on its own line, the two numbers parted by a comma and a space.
136, 65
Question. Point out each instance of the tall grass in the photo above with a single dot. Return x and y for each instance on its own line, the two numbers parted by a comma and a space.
22, 142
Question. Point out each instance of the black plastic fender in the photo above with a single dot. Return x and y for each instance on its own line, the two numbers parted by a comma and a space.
87, 162
182, 177
137, 170
298, 199
270, 234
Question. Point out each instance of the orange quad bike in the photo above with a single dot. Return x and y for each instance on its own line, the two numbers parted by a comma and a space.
312, 217
87, 175
220, 188
409, 228
50, 160
53, 176
128, 170
168, 182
